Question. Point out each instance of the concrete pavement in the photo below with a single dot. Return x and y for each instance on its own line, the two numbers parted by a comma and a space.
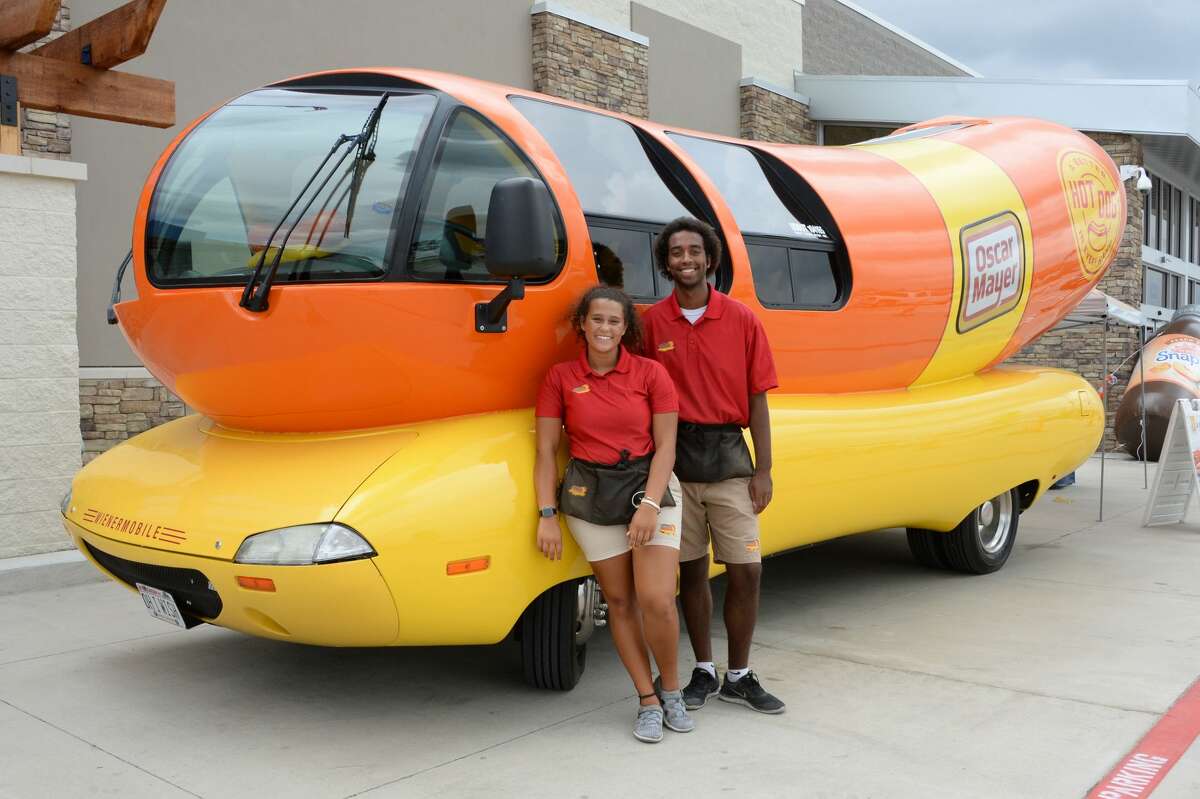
901, 682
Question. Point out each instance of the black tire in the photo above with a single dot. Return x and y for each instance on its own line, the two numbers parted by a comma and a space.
980, 544
551, 654
926, 547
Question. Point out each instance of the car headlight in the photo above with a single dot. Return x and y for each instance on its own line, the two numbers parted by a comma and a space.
304, 545
65, 505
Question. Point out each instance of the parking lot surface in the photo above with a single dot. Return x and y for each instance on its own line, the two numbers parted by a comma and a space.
900, 682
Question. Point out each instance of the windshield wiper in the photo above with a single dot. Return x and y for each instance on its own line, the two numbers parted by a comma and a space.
363, 159
254, 295
111, 316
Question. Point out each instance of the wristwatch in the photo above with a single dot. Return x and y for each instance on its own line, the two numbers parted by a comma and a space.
547, 511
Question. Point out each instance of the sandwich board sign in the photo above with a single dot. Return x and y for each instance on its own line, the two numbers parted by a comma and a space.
1178, 475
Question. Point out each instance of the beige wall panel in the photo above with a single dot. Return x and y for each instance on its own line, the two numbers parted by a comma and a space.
217, 49
39, 364
769, 31
693, 74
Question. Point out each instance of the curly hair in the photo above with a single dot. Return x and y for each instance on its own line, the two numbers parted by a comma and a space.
712, 243
632, 340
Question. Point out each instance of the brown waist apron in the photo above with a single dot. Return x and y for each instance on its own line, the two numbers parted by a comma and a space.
606, 494
710, 453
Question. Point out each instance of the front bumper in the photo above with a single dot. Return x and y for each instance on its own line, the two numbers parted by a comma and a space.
335, 604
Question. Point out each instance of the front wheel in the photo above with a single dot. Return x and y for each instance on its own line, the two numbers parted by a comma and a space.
980, 544
554, 633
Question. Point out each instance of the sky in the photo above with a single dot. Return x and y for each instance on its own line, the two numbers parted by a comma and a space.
1057, 39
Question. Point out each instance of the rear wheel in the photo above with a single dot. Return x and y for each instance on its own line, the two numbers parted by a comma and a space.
926, 547
980, 544
554, 633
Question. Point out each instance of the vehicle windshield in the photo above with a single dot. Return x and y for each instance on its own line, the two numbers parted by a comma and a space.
229, 183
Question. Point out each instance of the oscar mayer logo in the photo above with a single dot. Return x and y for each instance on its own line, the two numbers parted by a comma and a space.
134, 527
1095, 204
993, 262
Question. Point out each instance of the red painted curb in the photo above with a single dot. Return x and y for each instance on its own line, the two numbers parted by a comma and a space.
1140, 772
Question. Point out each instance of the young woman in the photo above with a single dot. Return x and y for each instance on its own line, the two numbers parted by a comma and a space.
622, 504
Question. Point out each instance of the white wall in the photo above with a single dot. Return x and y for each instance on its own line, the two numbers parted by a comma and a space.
39, 355
769, 31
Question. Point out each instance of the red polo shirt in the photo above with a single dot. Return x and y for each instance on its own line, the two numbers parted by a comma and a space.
717, 363
607, 413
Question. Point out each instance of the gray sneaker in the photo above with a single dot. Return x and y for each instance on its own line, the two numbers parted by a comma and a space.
649, 724
676, 717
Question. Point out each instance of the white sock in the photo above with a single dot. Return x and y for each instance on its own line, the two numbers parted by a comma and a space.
733, 675
708, 666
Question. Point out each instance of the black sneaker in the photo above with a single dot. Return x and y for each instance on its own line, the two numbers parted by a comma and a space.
699, 689
749, 692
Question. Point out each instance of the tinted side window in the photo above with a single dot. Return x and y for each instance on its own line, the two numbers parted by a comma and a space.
627, 192
625, 260
452, 223
792, 257
605, 160
772, 275
813, 278
791, 277
740, 178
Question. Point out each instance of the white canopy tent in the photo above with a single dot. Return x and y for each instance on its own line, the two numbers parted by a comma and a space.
1099, 308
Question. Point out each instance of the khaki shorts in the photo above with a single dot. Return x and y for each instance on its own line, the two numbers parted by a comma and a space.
724, 511
601, 542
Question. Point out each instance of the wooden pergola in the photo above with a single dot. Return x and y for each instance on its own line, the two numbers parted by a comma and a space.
73, 73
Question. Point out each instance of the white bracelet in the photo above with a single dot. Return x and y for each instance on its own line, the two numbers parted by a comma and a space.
651, 503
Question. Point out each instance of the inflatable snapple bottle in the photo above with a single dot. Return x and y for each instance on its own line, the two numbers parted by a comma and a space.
1172, 372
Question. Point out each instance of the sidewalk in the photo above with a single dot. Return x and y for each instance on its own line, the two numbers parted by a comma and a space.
900, 682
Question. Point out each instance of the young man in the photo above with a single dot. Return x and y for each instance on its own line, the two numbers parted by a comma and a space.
716, 351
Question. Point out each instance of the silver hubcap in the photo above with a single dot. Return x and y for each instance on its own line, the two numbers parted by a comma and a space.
993, 523
585, 609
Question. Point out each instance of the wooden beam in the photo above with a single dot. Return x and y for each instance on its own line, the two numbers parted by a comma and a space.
10, 137
108, 40
25, 21
53, 85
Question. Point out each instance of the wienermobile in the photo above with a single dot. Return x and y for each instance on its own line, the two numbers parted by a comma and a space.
358, 278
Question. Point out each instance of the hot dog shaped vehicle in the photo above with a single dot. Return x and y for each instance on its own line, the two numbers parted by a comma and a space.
363, 337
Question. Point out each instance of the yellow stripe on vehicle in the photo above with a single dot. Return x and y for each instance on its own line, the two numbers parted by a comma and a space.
982, 209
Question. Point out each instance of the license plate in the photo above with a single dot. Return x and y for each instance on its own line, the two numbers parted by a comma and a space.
161, 605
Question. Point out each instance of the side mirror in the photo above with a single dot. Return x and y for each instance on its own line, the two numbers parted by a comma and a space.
521, 233
520, 243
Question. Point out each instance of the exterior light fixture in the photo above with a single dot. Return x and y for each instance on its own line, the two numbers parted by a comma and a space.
1131, 170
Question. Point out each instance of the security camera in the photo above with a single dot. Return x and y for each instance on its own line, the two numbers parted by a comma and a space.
1143, 183
1143, 180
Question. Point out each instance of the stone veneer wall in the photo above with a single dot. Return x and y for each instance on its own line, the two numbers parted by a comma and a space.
771, 116
1081, 350
579, 62
39, 352
46, 134
111, 409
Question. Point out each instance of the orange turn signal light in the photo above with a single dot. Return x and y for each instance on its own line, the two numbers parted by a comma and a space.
469, 565
256, 583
